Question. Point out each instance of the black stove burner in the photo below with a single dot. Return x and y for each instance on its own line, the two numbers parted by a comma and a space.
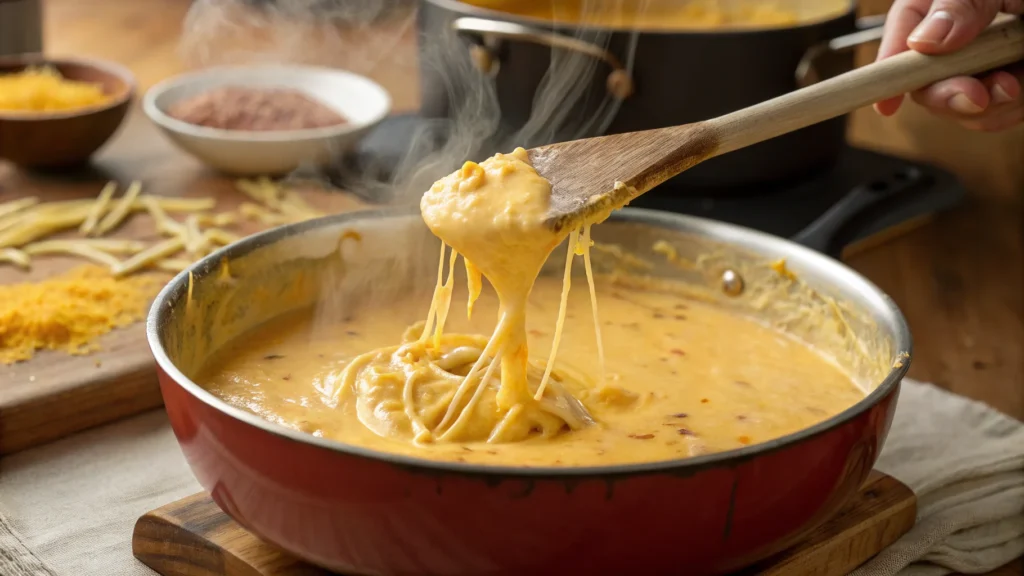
862, 194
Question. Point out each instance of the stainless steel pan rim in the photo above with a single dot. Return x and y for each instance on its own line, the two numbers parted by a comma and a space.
884, 309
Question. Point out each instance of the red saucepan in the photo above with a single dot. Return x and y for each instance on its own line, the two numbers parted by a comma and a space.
358, 511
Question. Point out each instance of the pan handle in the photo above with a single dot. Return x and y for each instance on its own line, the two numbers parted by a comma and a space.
853, 214
820, 62
487, 35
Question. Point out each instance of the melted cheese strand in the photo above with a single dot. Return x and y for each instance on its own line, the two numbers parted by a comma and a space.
420, 431
562, 305
351, 371
474, 281
433, 301
510, 417
467, 382
587, 243
463, 420
439, 386
446, 299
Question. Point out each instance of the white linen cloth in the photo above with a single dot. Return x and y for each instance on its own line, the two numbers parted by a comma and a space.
70, 506
965, 462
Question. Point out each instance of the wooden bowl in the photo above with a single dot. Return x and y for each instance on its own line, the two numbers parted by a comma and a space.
64, 138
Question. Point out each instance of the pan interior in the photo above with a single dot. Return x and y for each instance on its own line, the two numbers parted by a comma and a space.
339, 267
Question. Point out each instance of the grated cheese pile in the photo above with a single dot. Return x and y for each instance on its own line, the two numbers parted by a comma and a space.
45, 90
68, 312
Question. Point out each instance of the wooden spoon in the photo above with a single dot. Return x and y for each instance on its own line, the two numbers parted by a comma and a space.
593, 176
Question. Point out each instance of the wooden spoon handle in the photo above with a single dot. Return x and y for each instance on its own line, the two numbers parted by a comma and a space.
1001, 44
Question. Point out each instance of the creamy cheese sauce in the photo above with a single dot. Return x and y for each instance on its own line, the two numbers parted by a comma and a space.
650, 376
705, 380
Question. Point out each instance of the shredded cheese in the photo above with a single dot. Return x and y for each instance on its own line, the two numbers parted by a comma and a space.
98, 209
70, 311
180, 204
121, 209
17, 257
109, 245
195, 242
261, 214
42, 89
174, 265
164, 223
222, 237
148, 256
74, 248
42, 221
263, 191
219, 219
15, 206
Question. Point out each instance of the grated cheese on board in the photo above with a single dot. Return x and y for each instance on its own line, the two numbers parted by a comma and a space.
68, 312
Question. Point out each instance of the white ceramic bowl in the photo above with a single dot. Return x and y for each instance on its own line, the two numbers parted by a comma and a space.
241, 152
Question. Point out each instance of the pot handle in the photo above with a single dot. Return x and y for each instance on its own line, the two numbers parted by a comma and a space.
490, 32
818, 63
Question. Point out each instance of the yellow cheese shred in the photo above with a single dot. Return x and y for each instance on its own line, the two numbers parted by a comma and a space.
73, 248
98, 209
117, 214
15, 206
44, 89
17, 257
68, 312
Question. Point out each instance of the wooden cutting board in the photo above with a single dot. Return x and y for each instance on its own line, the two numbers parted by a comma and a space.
55, 394
193, 537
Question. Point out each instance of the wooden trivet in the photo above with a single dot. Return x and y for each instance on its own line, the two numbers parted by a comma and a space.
193, 537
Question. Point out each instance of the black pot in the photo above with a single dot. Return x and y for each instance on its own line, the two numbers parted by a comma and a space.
489, 67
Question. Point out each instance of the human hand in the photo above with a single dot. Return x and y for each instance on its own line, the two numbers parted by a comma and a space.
991, 102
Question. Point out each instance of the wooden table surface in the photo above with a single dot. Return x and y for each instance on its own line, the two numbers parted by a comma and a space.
958, 279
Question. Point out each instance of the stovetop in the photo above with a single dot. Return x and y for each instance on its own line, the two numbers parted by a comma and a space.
863, 194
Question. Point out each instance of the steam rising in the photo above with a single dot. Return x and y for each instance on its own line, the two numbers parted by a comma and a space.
374, 38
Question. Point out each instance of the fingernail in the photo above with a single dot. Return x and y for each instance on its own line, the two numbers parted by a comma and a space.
1000, 95
961, 104
934, 29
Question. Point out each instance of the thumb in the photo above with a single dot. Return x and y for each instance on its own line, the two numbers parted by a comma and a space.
952, 24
